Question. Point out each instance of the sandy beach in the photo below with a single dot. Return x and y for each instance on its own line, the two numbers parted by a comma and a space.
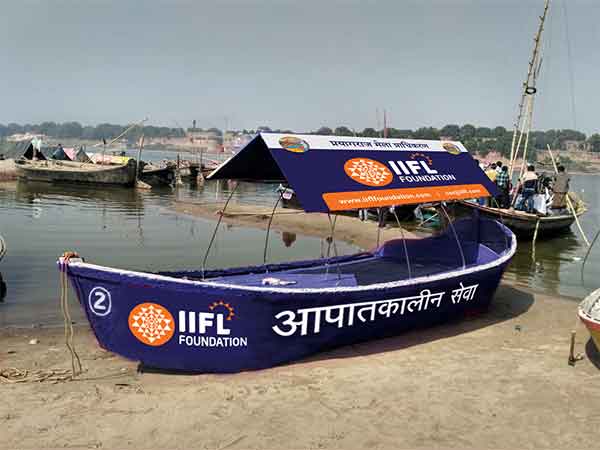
498, 380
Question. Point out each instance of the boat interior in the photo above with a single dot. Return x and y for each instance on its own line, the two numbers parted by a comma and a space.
469, 243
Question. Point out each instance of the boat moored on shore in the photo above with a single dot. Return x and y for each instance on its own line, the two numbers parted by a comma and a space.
228, 320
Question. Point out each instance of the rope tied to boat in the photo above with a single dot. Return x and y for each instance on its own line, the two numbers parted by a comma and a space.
76, 367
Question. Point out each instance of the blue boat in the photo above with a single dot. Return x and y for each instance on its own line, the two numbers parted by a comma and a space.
238, 319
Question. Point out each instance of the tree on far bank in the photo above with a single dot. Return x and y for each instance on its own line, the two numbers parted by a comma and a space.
343, 131
369, 132
594, 141
326, 131
430, 133
467, 131
452, 131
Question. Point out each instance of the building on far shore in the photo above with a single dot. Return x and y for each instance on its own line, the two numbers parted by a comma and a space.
21, 137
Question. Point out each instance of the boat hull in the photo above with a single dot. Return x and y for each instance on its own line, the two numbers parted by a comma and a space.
212, 326
523, 225
158, 177
590, 319
74, 172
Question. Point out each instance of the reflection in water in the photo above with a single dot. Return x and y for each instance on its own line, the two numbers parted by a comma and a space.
550, 257
133, 229
288, 238
121, 228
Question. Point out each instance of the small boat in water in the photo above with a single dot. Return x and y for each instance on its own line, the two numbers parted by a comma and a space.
154, 175
523, 224
228, 320
76, 172
34, 166
589, 313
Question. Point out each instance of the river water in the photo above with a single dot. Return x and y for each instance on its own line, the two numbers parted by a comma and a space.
138, 230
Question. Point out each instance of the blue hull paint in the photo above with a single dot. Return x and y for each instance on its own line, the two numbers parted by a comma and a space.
230, 322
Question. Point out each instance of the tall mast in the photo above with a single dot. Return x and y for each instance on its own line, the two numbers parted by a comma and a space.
529, 90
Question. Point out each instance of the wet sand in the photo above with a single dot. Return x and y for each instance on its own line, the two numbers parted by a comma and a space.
347, 228
499, 380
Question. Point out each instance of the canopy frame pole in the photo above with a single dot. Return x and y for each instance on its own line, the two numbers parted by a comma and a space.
404, 244
378, 227
462, 254
268, 230
332, 224
501, 221
212, 239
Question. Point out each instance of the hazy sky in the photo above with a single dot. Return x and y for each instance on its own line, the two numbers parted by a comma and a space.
294, 64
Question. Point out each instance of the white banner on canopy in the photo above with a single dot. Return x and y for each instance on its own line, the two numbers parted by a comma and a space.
304, 142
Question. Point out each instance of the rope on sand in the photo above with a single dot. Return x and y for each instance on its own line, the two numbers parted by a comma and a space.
13, 375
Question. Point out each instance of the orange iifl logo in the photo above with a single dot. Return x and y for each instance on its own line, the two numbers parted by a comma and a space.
368, 172
151, 324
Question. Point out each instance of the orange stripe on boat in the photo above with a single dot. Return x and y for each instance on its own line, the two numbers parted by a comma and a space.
337, 201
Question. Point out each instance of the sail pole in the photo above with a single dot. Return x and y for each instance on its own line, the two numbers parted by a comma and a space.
529, 88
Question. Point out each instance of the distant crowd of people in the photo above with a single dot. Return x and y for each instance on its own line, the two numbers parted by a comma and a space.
533, 193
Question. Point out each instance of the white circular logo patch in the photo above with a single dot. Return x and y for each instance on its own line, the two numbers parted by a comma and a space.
99, 301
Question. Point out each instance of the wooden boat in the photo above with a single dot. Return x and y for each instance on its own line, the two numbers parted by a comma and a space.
523, 224
589, 313
158, 175
76, 172
228, 320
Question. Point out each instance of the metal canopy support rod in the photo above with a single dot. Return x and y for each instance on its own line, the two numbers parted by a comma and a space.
501, 217
378, 227
462, 255
404, 243
212, 239
269, 229
335, 253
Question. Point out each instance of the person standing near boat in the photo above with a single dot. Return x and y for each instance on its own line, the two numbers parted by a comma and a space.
491, 172
560, 188
503, 183
499, 167
529, 184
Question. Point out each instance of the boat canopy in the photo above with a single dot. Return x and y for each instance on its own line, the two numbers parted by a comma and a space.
63, 154
82, 156
335, 173
28, 151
